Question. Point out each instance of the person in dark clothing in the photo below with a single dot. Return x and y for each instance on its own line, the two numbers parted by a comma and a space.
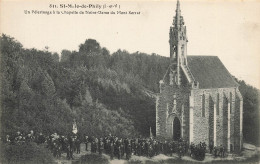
128, 151
100, 146
67, 147
215, 149
71, 146
224, 152
221, 151
211, 147
139, 149
86, 142
122, 149
150, 151
180, 151
77, 144
119, 153
146, 149
94, 147
165, 148
112, 150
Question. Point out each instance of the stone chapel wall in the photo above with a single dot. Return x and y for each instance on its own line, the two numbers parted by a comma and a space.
165, 108
203, 125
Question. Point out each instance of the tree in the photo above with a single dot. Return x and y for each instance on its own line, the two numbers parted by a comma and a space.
90, 47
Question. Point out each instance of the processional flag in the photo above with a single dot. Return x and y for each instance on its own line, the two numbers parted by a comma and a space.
74, 127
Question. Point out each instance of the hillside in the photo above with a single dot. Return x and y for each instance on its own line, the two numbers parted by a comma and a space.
103, 92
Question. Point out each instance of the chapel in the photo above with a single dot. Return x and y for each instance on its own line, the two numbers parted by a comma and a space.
199, 100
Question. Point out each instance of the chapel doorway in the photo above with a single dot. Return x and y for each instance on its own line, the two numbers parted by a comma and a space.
176, 129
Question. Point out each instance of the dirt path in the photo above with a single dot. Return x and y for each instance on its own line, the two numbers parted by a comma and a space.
248, 152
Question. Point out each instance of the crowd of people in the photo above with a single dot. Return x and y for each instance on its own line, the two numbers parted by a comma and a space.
217, 151
114, 146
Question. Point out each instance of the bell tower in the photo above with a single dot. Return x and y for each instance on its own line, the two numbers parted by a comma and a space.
178, 45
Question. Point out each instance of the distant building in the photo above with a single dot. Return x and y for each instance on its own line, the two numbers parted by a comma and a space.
199, 100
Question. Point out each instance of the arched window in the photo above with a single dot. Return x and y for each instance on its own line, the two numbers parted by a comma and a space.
203, 106
217, 104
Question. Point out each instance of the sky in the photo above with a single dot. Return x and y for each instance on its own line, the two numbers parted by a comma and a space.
229, 29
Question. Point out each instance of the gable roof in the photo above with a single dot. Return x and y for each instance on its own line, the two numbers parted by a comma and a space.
210, 72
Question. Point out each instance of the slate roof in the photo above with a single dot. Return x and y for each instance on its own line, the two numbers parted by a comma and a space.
210, 72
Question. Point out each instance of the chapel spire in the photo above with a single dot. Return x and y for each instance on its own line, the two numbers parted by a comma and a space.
178, 19
178, 10
178, 43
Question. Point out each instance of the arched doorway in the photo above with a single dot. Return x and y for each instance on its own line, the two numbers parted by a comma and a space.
176, 129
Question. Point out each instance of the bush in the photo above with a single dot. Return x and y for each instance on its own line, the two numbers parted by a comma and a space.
26, 153
93, 159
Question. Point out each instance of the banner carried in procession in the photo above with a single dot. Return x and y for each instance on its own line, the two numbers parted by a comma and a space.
74, 128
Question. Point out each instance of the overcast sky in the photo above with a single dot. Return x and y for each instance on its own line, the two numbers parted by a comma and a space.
227, 29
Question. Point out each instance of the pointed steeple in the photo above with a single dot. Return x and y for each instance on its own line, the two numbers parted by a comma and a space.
177, 19
178, 10
178, 43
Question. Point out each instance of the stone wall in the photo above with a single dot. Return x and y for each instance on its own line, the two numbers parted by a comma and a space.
166, 112
203, 127
224, 129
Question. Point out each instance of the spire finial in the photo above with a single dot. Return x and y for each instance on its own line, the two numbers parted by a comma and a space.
178, 13
178, 6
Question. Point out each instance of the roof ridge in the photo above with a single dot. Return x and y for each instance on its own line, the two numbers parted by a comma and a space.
201, 56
